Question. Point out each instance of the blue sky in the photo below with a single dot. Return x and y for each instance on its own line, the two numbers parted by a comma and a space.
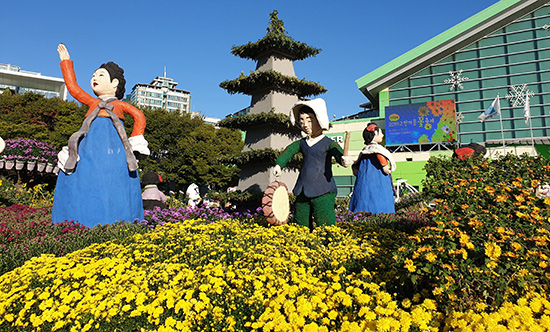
193, 40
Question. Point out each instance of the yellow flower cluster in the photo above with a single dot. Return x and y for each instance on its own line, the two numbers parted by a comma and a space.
226, 276
36, 197
40, 197
531, 313
492, 250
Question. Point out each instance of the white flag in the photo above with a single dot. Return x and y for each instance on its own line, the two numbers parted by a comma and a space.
491, 111
527, 110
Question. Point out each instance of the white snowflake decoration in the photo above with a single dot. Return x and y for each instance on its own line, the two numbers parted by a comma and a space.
517, 93
459, 117
456, 80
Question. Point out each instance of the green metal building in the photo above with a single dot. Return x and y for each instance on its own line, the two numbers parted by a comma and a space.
503, 50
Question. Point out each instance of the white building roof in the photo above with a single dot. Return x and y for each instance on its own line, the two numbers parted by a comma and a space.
13, 76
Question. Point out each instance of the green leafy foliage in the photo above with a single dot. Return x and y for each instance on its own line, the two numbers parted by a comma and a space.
271, 119
490, 238
260, 156
276, 40
272, 80
412, 202
33, 196
32, 116
185, 149
241, 200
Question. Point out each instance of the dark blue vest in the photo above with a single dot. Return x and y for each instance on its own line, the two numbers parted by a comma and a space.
316, 174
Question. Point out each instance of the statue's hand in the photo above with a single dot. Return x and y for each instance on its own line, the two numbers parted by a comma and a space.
63, 52
139, 144
277, 170
347, 161
62, 157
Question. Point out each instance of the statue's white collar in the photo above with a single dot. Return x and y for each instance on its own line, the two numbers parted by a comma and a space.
106, 97
376, 148
312, 142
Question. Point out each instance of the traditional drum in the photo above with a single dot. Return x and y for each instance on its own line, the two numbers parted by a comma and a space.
275, 203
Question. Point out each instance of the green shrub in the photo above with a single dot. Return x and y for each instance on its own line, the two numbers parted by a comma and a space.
489, 242
33, 196
414, 202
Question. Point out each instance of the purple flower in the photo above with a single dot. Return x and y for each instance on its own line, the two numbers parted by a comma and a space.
159, 217
31, 150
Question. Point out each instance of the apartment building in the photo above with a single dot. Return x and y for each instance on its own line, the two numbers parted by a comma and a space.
161, 93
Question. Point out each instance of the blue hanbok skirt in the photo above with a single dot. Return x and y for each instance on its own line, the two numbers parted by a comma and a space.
101, 189
373, 191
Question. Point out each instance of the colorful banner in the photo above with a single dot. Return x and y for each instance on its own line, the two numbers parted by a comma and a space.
429, 122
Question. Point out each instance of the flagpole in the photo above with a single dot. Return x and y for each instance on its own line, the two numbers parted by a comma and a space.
501, 129
490, 112
527, 116
532, 138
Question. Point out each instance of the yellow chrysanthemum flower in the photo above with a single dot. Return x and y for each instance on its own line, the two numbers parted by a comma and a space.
492, 250
409, 265
431, 257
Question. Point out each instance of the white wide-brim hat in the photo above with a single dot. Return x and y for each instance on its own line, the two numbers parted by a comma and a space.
318, 106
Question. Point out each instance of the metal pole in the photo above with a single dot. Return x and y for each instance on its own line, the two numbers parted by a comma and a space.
532, 138
502, 131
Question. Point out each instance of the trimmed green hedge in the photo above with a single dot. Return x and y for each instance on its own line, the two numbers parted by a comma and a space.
274, 81
272, 119
267, 155
276, 40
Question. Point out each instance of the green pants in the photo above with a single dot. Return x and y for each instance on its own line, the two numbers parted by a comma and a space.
315, 209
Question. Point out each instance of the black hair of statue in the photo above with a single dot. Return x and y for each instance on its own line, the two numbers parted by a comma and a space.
306, 110
368, 136
116, 72
150, 178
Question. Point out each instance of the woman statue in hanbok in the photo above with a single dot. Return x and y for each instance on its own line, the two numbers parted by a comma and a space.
99, 181
373, 191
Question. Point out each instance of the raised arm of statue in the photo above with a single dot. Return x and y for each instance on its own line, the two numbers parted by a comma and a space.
63, 52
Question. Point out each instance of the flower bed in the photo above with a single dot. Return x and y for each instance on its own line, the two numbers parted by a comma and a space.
27, 232
491, 233
161, 216
477, 261
20, 223
229, 276
30, 150
35, 197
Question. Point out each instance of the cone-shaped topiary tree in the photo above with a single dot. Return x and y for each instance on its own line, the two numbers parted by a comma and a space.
274, 88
